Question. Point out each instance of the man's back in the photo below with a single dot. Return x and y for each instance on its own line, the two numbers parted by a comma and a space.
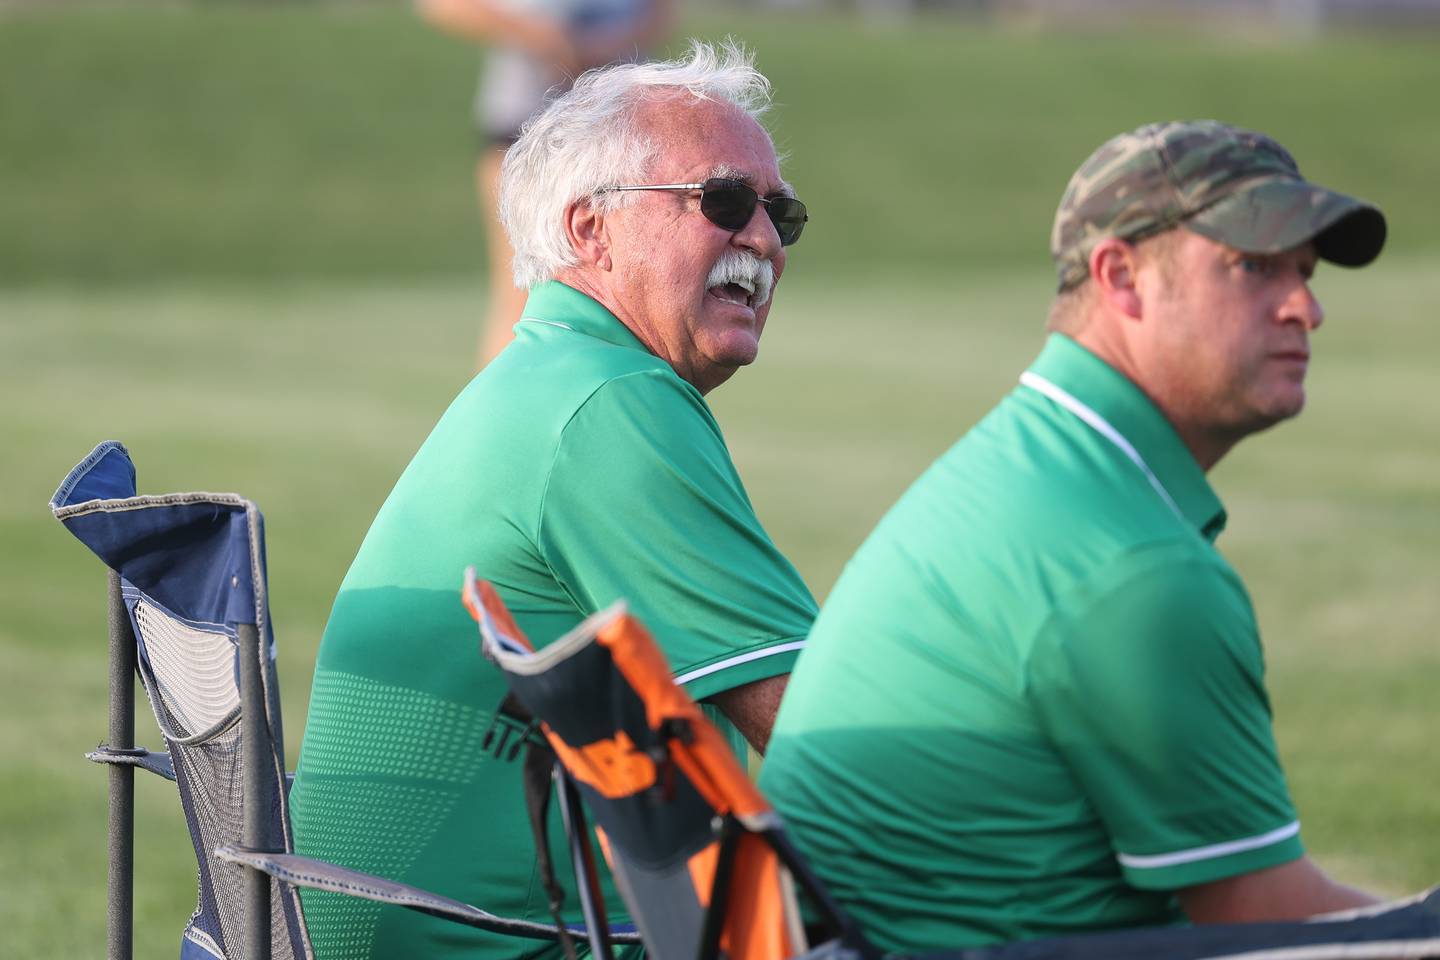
992, 611
572, 472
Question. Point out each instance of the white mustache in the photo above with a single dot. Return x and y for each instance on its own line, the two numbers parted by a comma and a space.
747, 270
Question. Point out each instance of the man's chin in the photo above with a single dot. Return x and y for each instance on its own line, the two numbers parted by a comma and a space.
730, 336
1277, 411
1290, 401
737, 354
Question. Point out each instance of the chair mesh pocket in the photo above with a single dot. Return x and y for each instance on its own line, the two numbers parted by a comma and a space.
192, 670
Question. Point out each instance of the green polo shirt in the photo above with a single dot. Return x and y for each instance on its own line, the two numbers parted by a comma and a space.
577, 469
1034, 702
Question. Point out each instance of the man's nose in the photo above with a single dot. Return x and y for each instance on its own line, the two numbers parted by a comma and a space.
1302, 306
759, 235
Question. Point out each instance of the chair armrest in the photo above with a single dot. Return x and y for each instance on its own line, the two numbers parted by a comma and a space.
1401, 929
157, 763
318, 875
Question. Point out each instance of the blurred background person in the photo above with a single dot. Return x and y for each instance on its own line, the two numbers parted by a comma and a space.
536, 50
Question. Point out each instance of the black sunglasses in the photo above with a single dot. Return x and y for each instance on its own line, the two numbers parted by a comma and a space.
729, 204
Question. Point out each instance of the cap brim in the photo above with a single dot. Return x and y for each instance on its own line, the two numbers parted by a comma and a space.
1277, 215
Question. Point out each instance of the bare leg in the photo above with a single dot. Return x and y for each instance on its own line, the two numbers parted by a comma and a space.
506, 301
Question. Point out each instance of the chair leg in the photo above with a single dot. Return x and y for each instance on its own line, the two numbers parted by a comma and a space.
255, 748
582, 855
119, 914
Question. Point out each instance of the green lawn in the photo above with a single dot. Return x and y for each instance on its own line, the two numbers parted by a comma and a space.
241, 240
142, 143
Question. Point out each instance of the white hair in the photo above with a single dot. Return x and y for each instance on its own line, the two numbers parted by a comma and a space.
589, 139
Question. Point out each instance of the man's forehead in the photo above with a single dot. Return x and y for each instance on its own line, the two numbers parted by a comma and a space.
675, 112
706, 134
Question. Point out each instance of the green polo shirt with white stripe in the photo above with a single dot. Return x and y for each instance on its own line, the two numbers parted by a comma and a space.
577, 469
1034, 703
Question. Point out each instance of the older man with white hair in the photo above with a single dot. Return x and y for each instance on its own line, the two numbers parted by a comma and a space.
650, 224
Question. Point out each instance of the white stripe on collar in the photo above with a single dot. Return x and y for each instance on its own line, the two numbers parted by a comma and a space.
548, 323
1101, 426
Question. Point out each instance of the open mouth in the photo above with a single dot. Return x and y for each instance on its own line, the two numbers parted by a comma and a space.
738, 292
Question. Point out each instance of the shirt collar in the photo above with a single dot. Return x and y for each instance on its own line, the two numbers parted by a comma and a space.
554, 303
1120, 402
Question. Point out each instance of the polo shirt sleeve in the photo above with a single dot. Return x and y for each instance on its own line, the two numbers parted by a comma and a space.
643, 503
1150, 681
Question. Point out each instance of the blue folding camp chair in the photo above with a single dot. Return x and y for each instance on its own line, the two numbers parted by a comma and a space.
703, 861
188, 611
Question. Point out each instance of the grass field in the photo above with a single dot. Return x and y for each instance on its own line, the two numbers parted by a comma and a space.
240, 240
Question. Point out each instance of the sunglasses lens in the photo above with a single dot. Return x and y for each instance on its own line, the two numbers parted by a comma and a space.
730, 204
727, 203
788, 215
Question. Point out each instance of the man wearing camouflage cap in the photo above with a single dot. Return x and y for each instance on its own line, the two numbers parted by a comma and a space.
1055, 717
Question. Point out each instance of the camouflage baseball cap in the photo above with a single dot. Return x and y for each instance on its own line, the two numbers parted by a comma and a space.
1233, 186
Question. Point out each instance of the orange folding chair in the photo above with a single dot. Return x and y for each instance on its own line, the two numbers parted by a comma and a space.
697, 854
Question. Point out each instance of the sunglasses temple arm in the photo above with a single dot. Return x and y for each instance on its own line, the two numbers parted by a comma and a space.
653, 186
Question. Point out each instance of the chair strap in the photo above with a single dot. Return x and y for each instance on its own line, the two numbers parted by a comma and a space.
539, 764
157, 763
509, 730
512, 730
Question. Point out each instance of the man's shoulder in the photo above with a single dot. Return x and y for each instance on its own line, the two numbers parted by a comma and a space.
645, 404
537, 388
1026, 475
505, 429
1022, 511
560, 362
1165, 578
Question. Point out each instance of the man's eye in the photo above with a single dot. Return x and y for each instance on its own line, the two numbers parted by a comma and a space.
1257, 265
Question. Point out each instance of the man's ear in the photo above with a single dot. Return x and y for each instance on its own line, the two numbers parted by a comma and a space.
585, 229
1113, 270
